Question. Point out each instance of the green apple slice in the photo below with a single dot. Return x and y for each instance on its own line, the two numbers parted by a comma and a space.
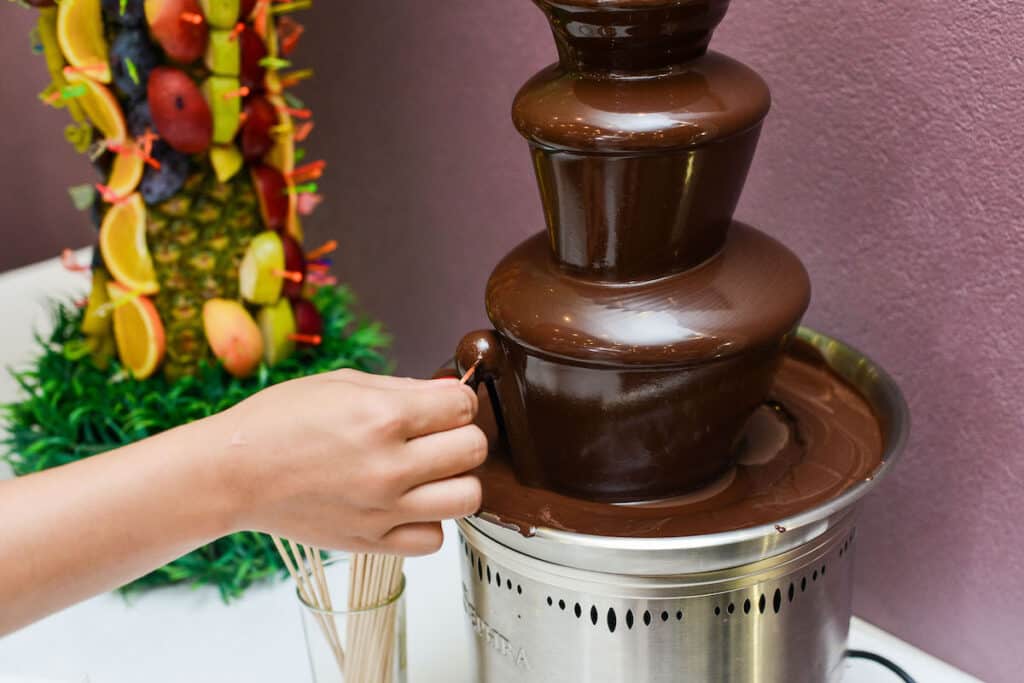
227, 160
221, 13
277, 324
224, 53
261, 275
222, 93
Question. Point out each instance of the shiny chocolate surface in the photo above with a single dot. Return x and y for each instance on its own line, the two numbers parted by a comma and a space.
814, 438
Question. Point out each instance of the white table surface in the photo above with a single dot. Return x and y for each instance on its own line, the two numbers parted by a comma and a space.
180, 634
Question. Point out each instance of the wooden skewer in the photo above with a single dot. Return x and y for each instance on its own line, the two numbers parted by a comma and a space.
298, 576
373, 599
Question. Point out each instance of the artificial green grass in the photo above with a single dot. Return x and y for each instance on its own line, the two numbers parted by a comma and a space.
72, 409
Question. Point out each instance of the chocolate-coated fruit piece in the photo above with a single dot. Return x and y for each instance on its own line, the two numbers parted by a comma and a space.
132, 58
183, 40
272, 192
260, 119
179, 110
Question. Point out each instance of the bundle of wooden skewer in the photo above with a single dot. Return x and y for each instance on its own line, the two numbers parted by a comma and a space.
375, 582
367, 654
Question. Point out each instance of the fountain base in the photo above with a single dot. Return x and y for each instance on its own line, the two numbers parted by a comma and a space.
657, 592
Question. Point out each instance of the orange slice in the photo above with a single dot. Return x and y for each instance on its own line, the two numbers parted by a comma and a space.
123, 245
101, 107
126, 174
104, 111
139, 333
80, 34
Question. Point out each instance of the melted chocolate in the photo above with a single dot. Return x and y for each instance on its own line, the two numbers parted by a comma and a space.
635, 339
815, 438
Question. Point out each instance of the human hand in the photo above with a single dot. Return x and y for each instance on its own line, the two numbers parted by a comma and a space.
356, 462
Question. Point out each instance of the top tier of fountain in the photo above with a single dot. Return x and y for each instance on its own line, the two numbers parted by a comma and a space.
633, 78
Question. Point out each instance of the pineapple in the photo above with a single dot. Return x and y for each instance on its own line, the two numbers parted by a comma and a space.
163, 109
197, 239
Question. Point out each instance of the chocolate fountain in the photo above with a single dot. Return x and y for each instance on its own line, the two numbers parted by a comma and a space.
672, 490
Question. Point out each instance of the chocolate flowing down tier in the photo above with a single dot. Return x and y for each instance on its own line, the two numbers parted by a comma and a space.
812, 440
633, 340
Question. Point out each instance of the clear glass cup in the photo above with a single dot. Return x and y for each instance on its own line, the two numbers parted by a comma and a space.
354, 646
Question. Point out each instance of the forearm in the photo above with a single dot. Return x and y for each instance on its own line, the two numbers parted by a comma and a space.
82, 529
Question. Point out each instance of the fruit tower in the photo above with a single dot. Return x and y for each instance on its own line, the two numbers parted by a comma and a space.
184, 106
202, 292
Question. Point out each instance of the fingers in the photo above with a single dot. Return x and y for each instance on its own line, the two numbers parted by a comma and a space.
445, 454
423, 538
368, 380
447, 406
448, 499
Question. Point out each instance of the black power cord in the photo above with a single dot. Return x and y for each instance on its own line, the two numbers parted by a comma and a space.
879, 659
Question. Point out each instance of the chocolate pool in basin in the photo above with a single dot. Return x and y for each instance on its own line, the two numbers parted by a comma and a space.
676, 461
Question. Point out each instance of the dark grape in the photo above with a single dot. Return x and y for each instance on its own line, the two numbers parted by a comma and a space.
140, 119
134, 12
132, 49
163, 183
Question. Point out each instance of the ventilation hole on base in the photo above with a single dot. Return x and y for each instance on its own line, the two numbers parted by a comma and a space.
497, 579
561, 605
746, 606
593, 616
488, 574
508, 584
803, 584
814, 576
647, 618
611, 620
578, 610
550, 601
823, 570
762, 603
718, 611
629, 619
679, 615
479, 569
467, 550
519, 589
664, 616
777, 601
731, 608
792, 592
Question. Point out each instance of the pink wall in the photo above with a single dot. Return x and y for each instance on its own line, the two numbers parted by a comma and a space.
891, 164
